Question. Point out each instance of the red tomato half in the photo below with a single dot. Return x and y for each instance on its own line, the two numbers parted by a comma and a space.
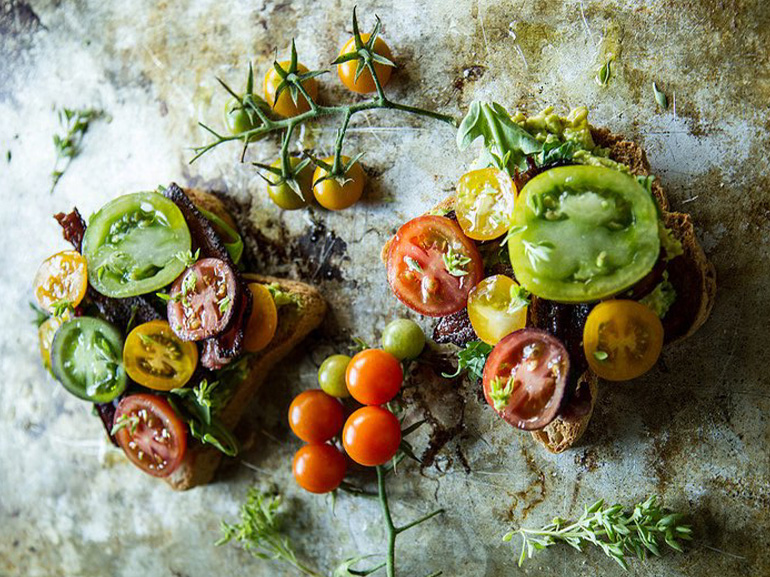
151, 435
525, 378
432, 266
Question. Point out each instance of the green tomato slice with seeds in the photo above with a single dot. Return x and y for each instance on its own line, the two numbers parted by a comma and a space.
132, 242
583, 233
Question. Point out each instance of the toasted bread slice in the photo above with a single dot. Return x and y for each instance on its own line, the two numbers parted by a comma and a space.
295, 321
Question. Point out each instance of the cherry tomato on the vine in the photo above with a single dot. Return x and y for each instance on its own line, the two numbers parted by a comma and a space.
315, 417
374, 377
284, 105
319, 468
365, 83
331, 376
371, 436
285, 196
335, 196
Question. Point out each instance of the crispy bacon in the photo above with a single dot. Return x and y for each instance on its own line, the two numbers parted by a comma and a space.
74, 227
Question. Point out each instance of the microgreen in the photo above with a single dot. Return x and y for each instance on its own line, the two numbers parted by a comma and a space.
61, 308
125, 421
196, 406
188, 258
500, 392
189, 282
455, 261
68, 145
224, 305
537, 252
472, 359
520, 298
412, 264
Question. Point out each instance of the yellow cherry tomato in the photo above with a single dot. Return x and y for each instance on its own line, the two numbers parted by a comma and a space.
156, 358
263, 321
622, 339
484, 203
46, 332
283, 195
285, 106
496, 308
335, 196
62, 278
365, 83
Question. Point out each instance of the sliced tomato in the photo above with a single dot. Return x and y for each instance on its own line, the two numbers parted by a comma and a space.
432, 266
496, 308
158, 359
62, 279
484, 203
263, 321
525, 378
622, 339
203, 300
150, 433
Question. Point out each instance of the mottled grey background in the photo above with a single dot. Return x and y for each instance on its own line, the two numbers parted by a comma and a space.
694, 430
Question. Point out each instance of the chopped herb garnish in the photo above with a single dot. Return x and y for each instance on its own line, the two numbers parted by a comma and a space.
472, 359
224, 305
188, 258
60, 308
124, 421
601, 355
412, 264
189, 282
500, 392
455, 261
520, 298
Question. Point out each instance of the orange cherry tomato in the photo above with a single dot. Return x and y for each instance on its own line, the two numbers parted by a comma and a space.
285, 106
374, 377
371, 436
62, 278
365, 83
335, 196
319, 468
315, 417
263, 321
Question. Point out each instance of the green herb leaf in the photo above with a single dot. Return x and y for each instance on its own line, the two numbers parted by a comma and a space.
520, 298
660, 96
604, 73
188, 258
282, 297
125, 420
60, 308
500, 392
412, 264
455, 261
472, 359
601, 355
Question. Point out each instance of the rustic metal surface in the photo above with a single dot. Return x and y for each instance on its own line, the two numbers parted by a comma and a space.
694, 430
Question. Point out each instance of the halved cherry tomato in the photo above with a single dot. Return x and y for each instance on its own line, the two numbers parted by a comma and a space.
285, 106
622, 339
150, 434
319, 468
496, 308
484, 203
203, 300
315, 417
46, 333
156, 358
374, 377
365, 83
335, 196
61, 279
263, 321
371, 436
432, 266
525, 378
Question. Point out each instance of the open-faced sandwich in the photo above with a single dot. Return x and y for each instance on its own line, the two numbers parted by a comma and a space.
558, 258
152, 320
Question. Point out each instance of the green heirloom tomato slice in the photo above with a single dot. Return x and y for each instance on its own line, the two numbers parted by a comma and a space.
132, 242
86, 357
583, 233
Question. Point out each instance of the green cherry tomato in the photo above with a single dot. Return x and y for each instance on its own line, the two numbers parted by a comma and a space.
131, 245
237, 120
284, 196
331, 376
403, 338
584, 233
87, 358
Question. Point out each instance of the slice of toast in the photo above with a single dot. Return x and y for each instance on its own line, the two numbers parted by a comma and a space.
691, 273
295, 321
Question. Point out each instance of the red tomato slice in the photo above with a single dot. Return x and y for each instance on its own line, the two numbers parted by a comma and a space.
525, 378
151, 435
432, 266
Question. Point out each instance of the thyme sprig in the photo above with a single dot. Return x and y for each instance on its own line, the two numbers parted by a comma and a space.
75, 122
291, 80
613, 530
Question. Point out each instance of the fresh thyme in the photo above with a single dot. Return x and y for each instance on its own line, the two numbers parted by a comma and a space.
68, 145
455, 261
613, 530
472, 359
188, 258
125, 421
500, 392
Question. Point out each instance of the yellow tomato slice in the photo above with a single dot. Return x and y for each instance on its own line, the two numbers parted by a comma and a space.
497, 308
61, 279
622, 339
156, 358
484, 203
263, 320
46, 332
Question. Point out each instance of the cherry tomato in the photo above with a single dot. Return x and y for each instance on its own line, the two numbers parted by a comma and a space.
432, 266
203, 300
335, 196
371, 436
156, 358
238, 121
331, 376
484, 203
374, 377
62, 278
525, 378
285, 106
263, 321
622, 339
496, 309
403, 338
151, 435
319, 468
365, 83
283, 195
315, 417
46, 332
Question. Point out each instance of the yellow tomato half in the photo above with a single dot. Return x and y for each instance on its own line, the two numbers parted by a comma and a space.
156, 358
62, 278
496, 308
484, 203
